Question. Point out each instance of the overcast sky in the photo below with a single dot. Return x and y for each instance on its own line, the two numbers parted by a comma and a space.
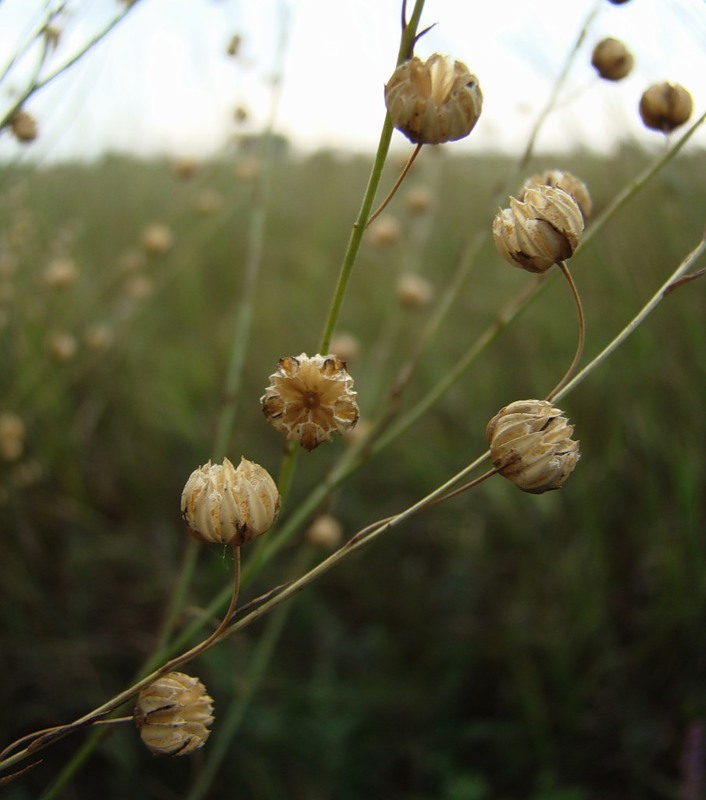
163, 83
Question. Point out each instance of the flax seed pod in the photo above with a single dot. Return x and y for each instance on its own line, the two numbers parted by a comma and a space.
222, 504
24, 126
60, 273
665, 106
539, 231
12, 436
156, 239
560, 179
325, 531
413, 292
173, 715
611, 59
530, 444
310, 398
433, 101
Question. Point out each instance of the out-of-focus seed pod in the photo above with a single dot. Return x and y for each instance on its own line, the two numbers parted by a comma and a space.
60, 273
665, 106
156, 239
346, 346
24, 126
383, 232
433, 101
531, 445
173, 715
560, 179
310, 399
208, 202
131, 261
12, 436
325, 531
222, 504
419, 199
185, 167
97, 338
539, 231
611, 59
240, 114
61, 345
138, 286
248, 168
414, 291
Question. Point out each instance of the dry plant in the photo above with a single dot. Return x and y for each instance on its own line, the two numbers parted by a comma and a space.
310, 398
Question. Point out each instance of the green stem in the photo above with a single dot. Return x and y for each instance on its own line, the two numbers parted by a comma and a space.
409, 34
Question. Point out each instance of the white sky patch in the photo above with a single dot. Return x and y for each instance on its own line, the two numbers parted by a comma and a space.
162, 83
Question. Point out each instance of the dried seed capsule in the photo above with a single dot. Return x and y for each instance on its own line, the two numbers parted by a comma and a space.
562, 180
413, 291
540, 230
227, 505
433, 101
531, 445
665, 106
310, 399
612, 59
156, 239
325, 531
12, 436
173, 715
23, 126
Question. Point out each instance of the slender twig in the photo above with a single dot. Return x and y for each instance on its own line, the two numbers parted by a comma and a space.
582, 332
396, 186
638, 319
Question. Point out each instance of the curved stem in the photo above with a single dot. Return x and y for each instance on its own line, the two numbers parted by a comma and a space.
397, 184
582, 332
667, 287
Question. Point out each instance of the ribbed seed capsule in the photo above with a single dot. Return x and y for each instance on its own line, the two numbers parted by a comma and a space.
226, 505
665, 106
540, 230
611, 59
560, 179
310, 399
433, 101
173, 715
531, 445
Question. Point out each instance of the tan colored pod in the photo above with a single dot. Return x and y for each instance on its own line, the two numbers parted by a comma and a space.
540, 230
310, 399
225, 505
530, 444
665, 106
612, 60
560, 179
173, 715
433, 101
24, 126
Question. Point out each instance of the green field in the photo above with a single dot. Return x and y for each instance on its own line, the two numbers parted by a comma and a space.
500, 646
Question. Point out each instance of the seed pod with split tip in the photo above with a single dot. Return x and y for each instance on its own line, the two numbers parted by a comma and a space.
540, 230
611, 59
230, 506
310, 399
560, 179
531, 445
433, 101
665, 106
173, 715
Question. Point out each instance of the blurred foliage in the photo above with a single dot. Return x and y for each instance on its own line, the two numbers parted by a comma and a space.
499, 646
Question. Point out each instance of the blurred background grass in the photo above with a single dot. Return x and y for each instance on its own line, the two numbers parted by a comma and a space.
498, 646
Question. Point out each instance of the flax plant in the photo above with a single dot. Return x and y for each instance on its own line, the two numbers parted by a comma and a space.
205, 516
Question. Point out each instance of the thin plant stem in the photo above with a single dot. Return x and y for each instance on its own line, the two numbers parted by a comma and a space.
409, 35
253, 262
582, 332
558, 85
667, 287
396, 186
